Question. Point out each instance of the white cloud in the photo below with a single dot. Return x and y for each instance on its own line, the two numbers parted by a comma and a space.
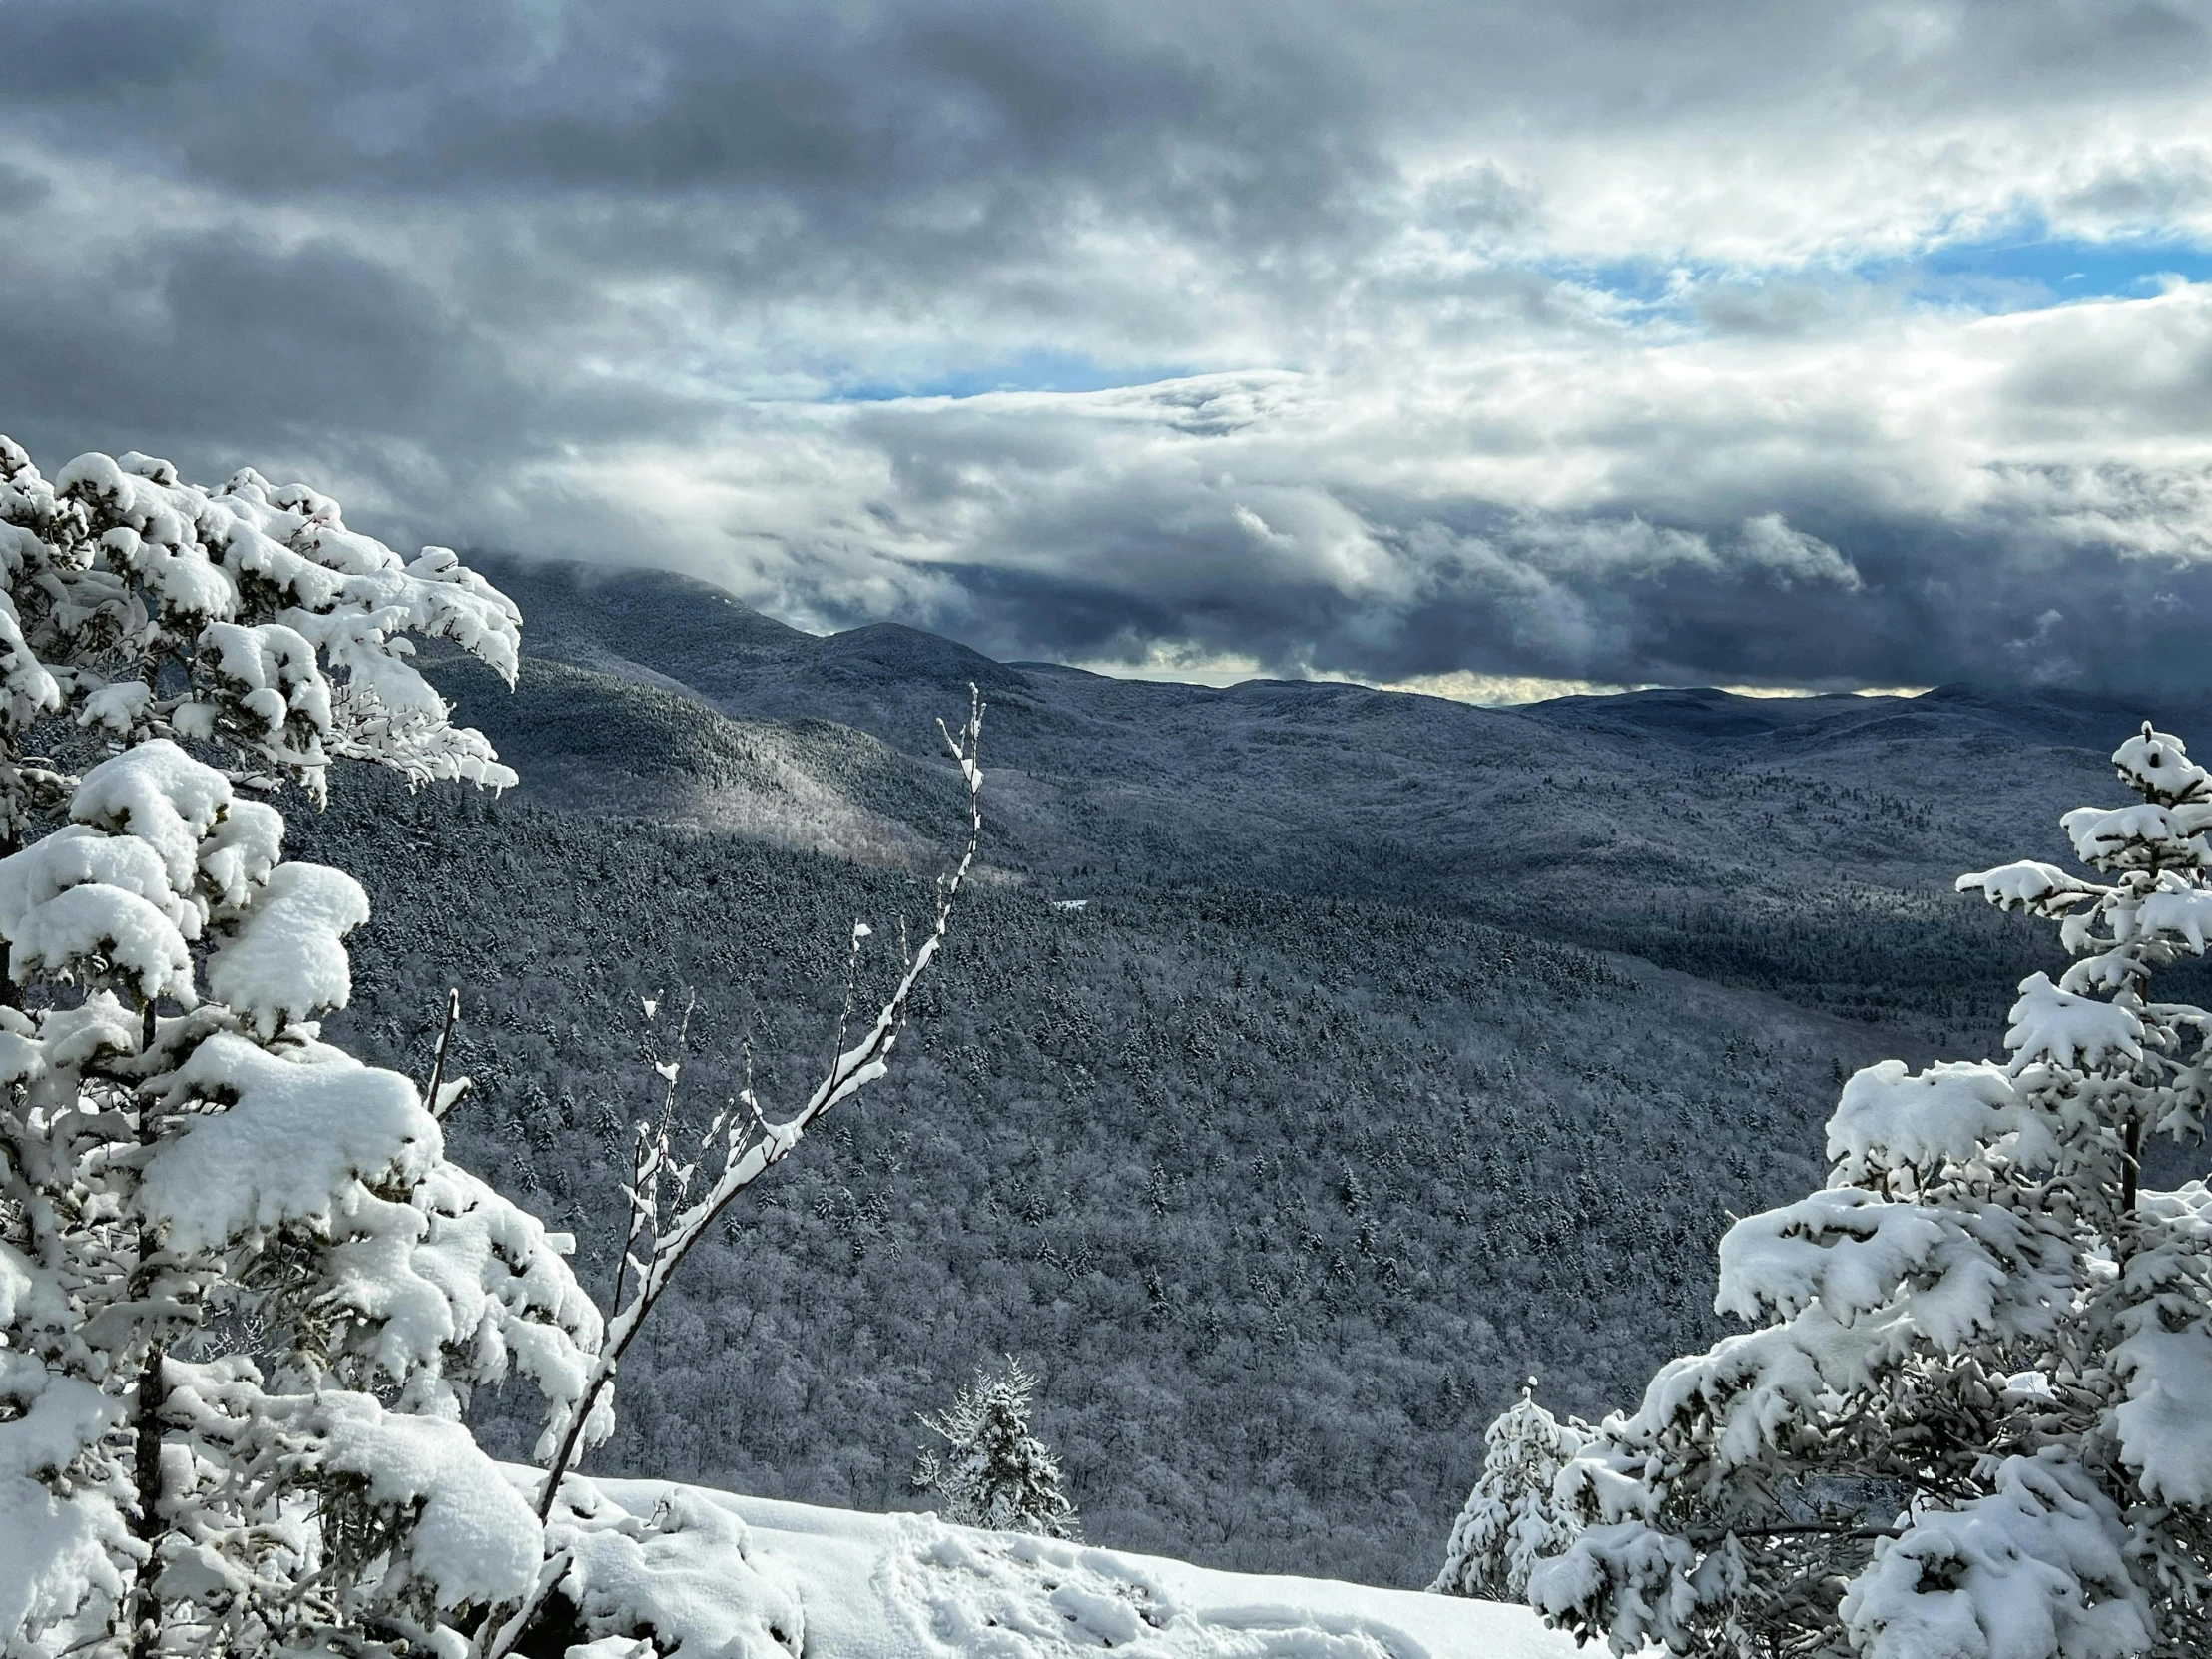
1768, 541
1311, 522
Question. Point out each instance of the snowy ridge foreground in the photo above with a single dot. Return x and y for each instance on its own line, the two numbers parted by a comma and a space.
737, 1577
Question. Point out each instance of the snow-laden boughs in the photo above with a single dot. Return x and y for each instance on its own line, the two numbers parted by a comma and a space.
64, 1542
248, 616
1975, 1417
389, 1525
235, 1265
2034, 1565
1510, 1522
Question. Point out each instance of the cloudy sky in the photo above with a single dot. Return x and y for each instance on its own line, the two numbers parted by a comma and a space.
1479, 346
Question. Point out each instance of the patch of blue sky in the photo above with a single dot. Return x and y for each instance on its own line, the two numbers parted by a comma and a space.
2024, 271
1030, 371
1644, 284
2032, 272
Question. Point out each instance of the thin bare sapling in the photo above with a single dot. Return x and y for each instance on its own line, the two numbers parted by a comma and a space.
663, 1220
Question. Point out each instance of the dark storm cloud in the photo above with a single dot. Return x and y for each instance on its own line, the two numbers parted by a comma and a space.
597, 280
1930, 607
73, 51
19, 191
1218, 130
1262, 131
215, 347
668, 92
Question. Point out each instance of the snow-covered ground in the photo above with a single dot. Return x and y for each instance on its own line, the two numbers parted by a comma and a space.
754, 1578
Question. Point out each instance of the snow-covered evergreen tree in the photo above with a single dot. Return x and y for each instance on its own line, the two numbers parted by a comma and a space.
243, 1298
993, 1470
1510, 1522
1975, 1417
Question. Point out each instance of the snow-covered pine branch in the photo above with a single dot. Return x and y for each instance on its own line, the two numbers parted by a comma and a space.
748, 1143
1975, 1414
250, 617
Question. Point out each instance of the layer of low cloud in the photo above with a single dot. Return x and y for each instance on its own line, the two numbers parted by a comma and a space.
1449, 345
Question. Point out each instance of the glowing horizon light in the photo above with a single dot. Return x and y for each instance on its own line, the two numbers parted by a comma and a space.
1188, 666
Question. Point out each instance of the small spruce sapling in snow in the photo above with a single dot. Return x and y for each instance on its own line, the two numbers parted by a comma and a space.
1512, 1521
993, 1470
1975, 1416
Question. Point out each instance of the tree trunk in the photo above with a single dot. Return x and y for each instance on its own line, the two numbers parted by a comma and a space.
11, 994
146, 1426
146, 1527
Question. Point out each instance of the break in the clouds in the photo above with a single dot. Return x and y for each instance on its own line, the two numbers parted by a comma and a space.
1462, 345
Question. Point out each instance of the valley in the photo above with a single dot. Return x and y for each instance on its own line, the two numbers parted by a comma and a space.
1399, 1048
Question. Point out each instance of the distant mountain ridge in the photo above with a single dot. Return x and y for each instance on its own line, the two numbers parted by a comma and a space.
657, 623
1614, 822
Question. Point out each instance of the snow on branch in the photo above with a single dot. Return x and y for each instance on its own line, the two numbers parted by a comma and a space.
1974, 1412
143, 606
740, 1144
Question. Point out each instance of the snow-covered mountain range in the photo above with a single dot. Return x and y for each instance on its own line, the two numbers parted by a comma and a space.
1318, 1064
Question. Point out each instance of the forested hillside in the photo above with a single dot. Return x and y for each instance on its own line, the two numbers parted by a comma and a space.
1800, 845
1376, 1052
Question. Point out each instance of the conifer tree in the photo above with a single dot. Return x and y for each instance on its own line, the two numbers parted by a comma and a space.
1510, 1522
1976, 1417
182, 1179
243, 1298
993, 1471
